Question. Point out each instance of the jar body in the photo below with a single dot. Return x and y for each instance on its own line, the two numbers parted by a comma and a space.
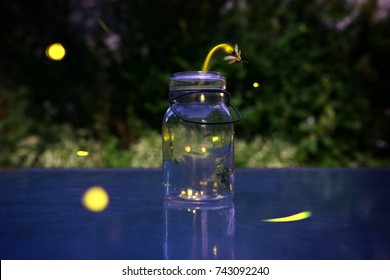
198, 149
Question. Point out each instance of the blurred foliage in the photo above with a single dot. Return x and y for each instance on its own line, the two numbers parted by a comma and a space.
322, 67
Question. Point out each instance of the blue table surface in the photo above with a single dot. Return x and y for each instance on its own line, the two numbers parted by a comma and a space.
42, 217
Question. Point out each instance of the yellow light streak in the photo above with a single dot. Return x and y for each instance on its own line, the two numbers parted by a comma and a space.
103, 25
226, 47
82, 153
296, 217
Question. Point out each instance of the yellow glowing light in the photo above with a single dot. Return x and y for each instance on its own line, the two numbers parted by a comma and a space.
183, 192
103, 25
95, 199
215, 250
202, 98
203, 149
201, 192
187, 149
82, 153
189, 192
292, 218
215, 139
166, 137
55, 51
227, 48
193, 211
256, 84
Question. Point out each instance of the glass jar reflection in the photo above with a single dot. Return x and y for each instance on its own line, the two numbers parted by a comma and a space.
199, 232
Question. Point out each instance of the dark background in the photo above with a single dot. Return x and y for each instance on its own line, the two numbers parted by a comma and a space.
322, 66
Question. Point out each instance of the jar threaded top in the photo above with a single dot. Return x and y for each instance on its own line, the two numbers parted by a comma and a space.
195, 80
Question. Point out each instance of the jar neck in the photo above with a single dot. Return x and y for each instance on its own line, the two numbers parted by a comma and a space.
182, 83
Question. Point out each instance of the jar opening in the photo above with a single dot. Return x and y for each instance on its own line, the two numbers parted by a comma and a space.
197, 75
195, 80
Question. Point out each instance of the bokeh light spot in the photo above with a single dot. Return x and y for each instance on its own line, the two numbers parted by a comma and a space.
296, 217
256, 84
166, 137
55, 51
95, 199
82, 153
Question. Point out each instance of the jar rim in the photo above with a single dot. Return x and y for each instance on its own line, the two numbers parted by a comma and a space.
197, 75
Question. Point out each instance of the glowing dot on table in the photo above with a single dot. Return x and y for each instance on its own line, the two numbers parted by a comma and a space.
82, 153
95, 199
292, 218
256, 84
55, 51
215, 250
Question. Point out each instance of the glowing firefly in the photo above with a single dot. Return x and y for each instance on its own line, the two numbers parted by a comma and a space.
82, 153
292, 218
55, 51
234, 58
95, 199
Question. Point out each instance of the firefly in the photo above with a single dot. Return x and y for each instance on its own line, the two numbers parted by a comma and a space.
234, 58
95, 199
296, 217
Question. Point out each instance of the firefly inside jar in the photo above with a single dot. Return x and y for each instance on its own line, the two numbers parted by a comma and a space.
198, 139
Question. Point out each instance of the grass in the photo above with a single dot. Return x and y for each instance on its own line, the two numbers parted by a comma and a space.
34, 151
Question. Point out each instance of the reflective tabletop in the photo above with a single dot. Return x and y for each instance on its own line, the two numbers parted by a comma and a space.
326, 214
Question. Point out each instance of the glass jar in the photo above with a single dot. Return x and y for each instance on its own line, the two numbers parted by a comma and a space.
198, 139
